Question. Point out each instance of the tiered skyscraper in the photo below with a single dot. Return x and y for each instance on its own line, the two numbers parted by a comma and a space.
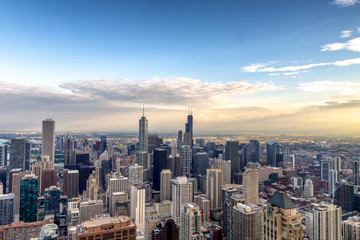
189, 128
48, 139
143, 133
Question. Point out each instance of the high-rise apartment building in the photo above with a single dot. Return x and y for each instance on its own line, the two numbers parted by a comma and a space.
185, 155
165, 177
143, 134
227, 207
29, 192
135, 174
225, 167
309, 188
213, 188
182, 192
7, 209
247, 222
251, 184
190, 222
271, 150
137, 206
327, 222
48, 139
19, 154
232, 154
351, 228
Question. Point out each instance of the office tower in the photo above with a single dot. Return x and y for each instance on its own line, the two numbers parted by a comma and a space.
164, 208
49, 232
289, 161
16, 178
325, 168
247, 222
281, 218
69, 158
170, 164
251, 184
232, 154
227, 206
7, 209
187, 139
166, 229
309, 188
332, 182
143, 133
177, 166
160, 157
165, 177
182, 192
225, 167
213, 188
327, 222
2, 155
29, 192
52, 201
351, 228
190, 222
90, 209
180, 138
82, 158
204, 204
71, 183
46, 163
189, 129
154, 141
137, 206
3, 178
201, 162
271, 150
344, 197
185, 155
48, 139
118, 184
48, 178
119, 205
121, 227
135, 174
356, 176
103, 144
253, 151
36, 169
19, 153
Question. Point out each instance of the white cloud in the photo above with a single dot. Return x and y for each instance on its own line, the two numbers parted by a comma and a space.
346, 34
346, 88
289, 69
358, 29
352, 45
345, 3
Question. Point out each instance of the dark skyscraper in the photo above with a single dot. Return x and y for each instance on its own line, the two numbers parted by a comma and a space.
271, 150
253, 151
3, 178
180, 138
20, 154
29, 198
69, 151
52, 201
232, 153
201, 162
143, 133
103, 144
189, 128
160, 157
356, 178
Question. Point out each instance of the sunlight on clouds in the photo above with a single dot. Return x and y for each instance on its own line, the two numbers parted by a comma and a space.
345, 3
346, 88
346, 34
352, 45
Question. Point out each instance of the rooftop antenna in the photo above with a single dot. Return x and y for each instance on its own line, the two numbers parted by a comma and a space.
143, 110
191, 111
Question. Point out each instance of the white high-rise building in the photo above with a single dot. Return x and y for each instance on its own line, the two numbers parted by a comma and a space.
297, 182
135, 174
225, 167
309, 188
143, 134
251, 184
327, 222
214, 187
118, 184
332, 182
137, 206
182, 192
48, 139
165, 177
190, 224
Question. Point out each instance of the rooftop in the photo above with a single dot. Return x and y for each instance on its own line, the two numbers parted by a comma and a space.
282, 200
106, 220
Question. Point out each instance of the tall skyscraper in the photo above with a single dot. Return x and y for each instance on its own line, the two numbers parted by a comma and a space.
327, 222
344, 196
253, 151
118, 184
71, 183
52, 201
356, 176
182, 192
48, 139
225, 167
19, 154
213, 188
190, 222
332, 182
271, 150
143, 133
165, 177
69, 158
309, 188
351, 228
251, 184
135, 175
16, 178
189, 128
325, 168
185, 155
103, 144
48, 178
137, 208
247, 222
7, 209
230, 198
180, 138
201, 163
160, 157
232, 153
29, 198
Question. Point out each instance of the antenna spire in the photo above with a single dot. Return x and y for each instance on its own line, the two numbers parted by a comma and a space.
143, 110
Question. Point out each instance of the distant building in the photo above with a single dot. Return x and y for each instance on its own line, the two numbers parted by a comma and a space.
253, 151
135, 174
143, 134
48, 139
232, 154
190, 222
213, 187
201, 163
271, 150
71, 183
52, 201
344, 197
185, 155
69, 158
7, 209
19, 154
165, 177
160, 159
356, 176
182, 192
325, 168
29, 198
327, 222
309, 188
251, 184
48, 178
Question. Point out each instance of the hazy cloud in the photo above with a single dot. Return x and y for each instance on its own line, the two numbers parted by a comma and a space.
352, 45
346, 88
346, 34
345, 3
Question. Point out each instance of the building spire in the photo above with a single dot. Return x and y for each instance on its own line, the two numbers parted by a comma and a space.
143, 110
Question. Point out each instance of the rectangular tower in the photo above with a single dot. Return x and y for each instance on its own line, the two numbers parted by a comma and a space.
48, 139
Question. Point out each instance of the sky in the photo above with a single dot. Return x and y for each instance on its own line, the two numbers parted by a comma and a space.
247, 65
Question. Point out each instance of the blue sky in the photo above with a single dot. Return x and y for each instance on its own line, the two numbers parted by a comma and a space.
59, 53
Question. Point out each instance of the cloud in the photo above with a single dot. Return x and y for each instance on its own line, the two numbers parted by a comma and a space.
346, 34
346, 88
345, 3
293, 69
352, 45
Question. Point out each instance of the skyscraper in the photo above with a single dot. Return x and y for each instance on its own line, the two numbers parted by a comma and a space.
344, 196
356, 177
52, 201
135, 174
309, 188
327, 222
325, 168
165, 177
351, 228
201, 162
103, 144
251, 184
143, 133
182, 192
69, 158
253, 151
332, 182
29, 198
3, 174
247, 222
232, 153
271, 150
189, 128
213, 188
137, 208
3, 155
7, 209
160, 157
190, 222
48, 178
71, 183
185, 155
19, 154
48, 139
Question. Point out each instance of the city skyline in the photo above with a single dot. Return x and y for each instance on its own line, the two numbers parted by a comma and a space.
241, 66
